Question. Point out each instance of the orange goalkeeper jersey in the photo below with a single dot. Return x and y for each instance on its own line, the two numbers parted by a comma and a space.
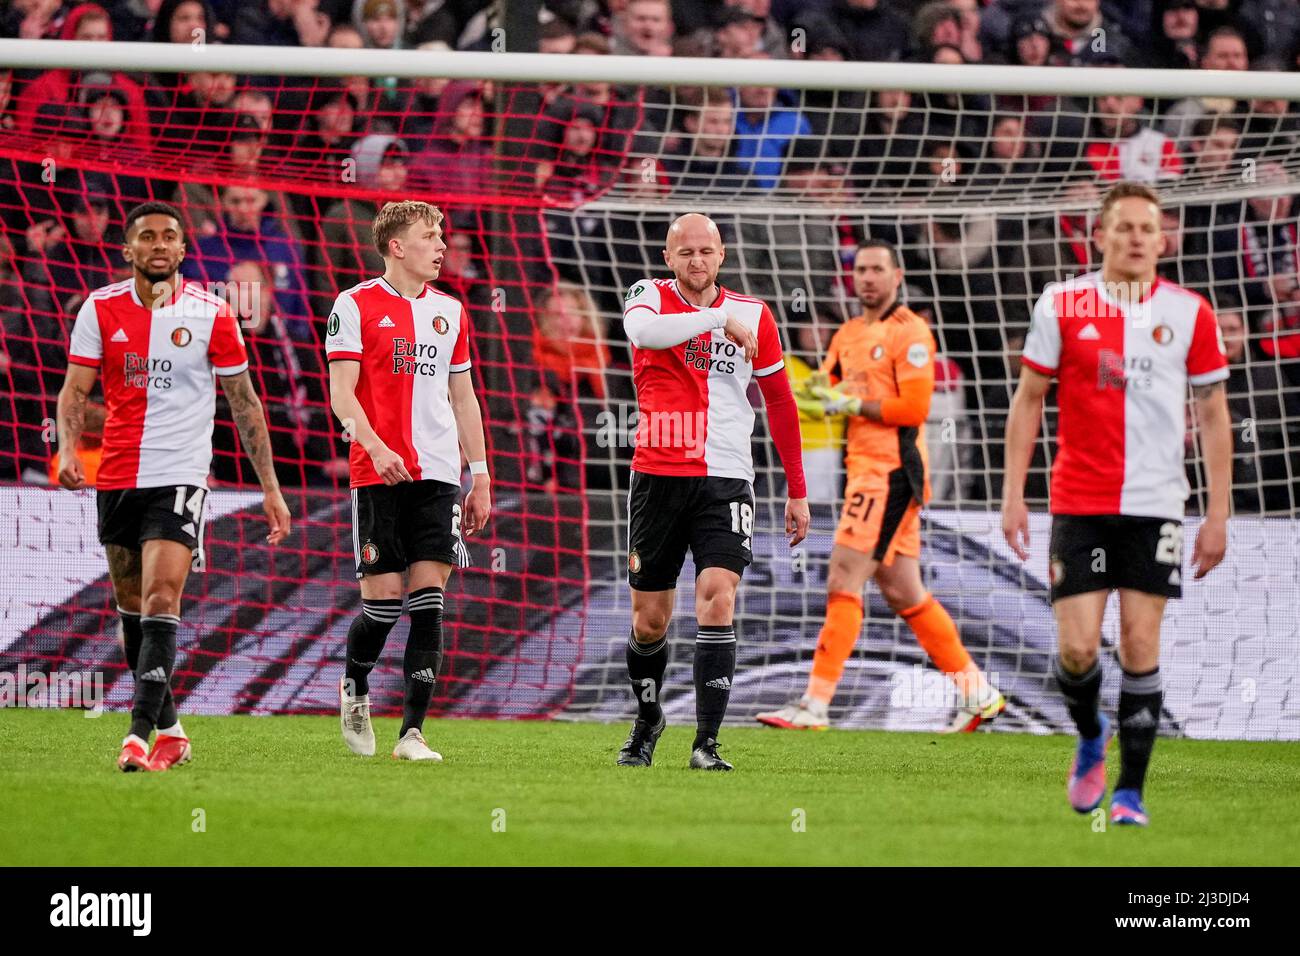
890, 361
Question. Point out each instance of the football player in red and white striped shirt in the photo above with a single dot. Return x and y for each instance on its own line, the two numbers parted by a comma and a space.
696, 346
400, 383
158, 342
1123, 346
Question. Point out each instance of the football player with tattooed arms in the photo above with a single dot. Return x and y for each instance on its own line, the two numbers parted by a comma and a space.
158, 343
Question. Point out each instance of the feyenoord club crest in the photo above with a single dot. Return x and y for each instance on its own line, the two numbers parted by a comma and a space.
440, 324
1163, 334
634, 562
181, 337
369, 553
1058, 571
877, 352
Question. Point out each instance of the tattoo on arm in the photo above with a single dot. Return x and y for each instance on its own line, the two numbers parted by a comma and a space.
246, 409
1201, 392
74, 416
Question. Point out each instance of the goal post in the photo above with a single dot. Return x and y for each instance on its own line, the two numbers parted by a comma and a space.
558, 196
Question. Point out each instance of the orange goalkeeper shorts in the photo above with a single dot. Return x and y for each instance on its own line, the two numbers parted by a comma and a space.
880, 518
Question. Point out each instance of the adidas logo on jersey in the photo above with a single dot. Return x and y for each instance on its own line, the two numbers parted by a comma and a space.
1089, 331
721, 683
386, 323
157, 674
119, 336
425, 675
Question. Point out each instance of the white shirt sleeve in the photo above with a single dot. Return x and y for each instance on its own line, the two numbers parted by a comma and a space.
87, 344
648, 328
1042, 350
343, 331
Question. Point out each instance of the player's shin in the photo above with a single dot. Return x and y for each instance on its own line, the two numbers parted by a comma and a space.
366, 637
153, 671
1140, 697
1082, 692
423, 656
132, 637
646, 663
715, 668
834, 644
937, 634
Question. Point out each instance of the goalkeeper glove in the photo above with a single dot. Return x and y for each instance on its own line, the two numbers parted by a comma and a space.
835, 402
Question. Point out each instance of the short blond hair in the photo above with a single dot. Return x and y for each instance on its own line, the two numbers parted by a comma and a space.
1127, 190
395, 217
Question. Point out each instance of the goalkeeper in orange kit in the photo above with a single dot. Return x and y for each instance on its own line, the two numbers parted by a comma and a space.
879, 370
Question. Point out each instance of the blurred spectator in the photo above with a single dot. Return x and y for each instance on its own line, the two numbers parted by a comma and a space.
1214, 147
764, 134
290, 380
458, 159
1175, 264
88, 22
1261, 257
200, 203
7, 121
1029, 44
701, 162
440, 21
644, 28
382, 164
772, 37
947, 432
1061, 246
991, 422
938, 23
70, 257
377, 100
246, 231
1224, 49
823, 438
574, 175
1261, 409
1175, 45
1271, 131
894, 140
970, 41
738, 35
328, 134
1123, 145
1010, 157
34, 19
571, 357
837, 117
419, 113
280, 23
872, 31
381, 23
1082, 36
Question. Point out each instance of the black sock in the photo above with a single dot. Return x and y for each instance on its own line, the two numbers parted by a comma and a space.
423, 656
646, 664
715, 666
1140, 698
153, 672
1082, 692
132, 638
366, 639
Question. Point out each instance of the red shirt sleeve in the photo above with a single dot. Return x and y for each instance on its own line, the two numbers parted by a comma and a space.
460, 351
769, 359
783, 421
1206, 359
226, 349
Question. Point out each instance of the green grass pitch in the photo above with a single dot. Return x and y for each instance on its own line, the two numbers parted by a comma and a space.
285, 791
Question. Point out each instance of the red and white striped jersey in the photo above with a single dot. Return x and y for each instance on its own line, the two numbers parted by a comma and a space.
1123, 373
407, 348
158, 367
694, 416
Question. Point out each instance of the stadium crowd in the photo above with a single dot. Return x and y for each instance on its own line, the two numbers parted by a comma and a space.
279, 177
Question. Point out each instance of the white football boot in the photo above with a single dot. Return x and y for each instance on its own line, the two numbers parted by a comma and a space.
804, 714
354, 718
413, 747
982, 711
